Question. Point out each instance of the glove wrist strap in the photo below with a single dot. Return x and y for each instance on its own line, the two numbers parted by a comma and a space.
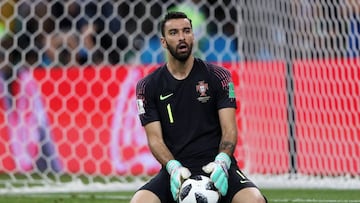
172, 165
223, 158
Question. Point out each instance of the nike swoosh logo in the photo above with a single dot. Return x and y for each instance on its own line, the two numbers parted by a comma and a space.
165, 97
242, 177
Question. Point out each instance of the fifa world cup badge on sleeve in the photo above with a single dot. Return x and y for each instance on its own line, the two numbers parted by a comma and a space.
231, 90
140, 106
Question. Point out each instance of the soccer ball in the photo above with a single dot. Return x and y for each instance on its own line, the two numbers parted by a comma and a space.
198, 189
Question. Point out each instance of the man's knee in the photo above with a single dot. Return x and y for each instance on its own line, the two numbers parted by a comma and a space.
142, 196
249, 195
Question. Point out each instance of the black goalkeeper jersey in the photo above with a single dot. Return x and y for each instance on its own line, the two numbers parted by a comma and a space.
187, 109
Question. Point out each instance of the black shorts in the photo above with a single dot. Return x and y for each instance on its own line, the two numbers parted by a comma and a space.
160, 185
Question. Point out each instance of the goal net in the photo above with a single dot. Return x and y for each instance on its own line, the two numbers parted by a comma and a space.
68, 118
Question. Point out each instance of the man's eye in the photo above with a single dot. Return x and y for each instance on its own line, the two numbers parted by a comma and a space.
187, 30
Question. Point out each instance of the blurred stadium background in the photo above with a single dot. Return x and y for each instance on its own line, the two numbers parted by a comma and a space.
68, 120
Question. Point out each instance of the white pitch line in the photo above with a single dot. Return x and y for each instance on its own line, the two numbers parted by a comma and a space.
81, 196
314, 200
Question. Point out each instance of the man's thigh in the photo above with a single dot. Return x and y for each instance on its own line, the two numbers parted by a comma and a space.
158, 186
237, 181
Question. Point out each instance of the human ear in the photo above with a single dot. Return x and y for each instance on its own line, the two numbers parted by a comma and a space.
163, 42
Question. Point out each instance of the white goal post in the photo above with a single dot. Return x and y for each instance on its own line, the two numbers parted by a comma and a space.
68, 119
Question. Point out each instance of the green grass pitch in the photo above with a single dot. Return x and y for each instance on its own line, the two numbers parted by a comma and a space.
273, 195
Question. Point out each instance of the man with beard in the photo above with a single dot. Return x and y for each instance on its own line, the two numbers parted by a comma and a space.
187, 107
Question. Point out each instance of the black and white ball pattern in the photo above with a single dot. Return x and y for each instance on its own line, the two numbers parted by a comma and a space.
198, 189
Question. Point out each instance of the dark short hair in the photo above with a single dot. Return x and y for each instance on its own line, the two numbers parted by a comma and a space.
172, 15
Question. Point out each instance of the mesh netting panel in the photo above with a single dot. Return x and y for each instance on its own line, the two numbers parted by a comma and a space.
68, 116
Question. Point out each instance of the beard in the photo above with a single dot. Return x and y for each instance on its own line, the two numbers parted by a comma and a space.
178, 55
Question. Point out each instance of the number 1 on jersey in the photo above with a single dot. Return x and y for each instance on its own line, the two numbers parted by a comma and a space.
171, 119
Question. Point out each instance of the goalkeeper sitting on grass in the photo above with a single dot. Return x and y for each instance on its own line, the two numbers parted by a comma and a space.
187, 107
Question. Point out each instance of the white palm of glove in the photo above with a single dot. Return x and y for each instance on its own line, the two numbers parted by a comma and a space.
178, 174
219, 172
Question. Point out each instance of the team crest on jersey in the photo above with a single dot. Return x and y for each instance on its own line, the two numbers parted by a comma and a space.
202, 88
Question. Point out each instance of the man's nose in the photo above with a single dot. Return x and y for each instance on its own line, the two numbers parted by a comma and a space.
181, 36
